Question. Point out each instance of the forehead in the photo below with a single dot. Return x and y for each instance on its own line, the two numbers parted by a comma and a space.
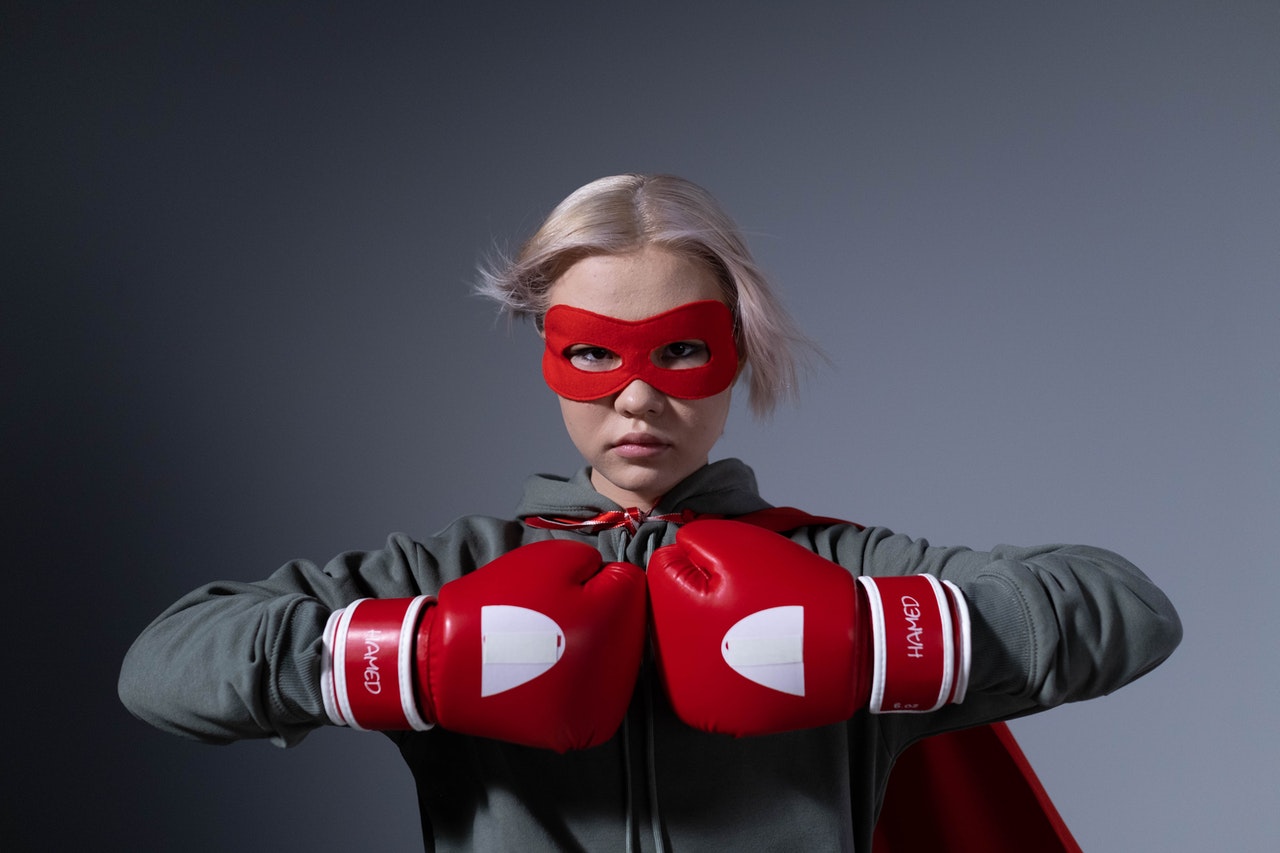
635, 285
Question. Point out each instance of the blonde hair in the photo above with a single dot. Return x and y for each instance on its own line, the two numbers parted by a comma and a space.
624, 213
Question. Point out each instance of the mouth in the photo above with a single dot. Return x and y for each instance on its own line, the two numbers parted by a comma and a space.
640, 445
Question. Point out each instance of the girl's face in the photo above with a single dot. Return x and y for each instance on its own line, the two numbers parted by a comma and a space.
638, 440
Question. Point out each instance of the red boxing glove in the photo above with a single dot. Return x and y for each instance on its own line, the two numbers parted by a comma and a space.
756, 634
540, 647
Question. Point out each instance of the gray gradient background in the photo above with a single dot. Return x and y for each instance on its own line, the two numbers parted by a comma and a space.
1037, 240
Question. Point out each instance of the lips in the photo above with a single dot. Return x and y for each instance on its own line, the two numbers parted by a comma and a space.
640, 445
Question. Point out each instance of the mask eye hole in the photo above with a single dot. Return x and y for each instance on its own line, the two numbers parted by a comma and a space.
591, 358
681, 355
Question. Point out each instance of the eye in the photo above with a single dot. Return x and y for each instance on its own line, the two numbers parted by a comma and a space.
682, 355
592, 358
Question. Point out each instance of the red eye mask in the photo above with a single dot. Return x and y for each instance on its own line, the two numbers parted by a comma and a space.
635, 342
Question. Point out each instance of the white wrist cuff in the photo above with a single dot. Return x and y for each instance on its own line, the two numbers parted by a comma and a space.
364, 643
920, 643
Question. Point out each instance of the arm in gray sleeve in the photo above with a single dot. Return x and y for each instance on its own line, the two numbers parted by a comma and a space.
1061, 624
1051, 624
237, 660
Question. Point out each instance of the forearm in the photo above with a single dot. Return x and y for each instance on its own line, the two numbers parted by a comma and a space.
1051, 624
241, 660
1067, 623
228, 662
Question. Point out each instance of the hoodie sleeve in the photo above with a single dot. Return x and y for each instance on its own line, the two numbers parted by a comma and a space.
1051, 624
233, 660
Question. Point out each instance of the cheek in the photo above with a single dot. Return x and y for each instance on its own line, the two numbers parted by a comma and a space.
723, 404
581, 420
708, 416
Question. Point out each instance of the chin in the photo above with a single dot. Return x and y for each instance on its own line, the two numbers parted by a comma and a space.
650, 486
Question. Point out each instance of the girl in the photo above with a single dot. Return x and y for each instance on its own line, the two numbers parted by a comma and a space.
507, 659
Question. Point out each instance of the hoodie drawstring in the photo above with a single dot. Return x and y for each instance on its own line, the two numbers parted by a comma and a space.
651, 765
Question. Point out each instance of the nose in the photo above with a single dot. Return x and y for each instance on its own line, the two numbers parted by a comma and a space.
639, 398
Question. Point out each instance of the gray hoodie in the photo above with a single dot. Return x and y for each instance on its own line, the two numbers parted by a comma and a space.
1051, 624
